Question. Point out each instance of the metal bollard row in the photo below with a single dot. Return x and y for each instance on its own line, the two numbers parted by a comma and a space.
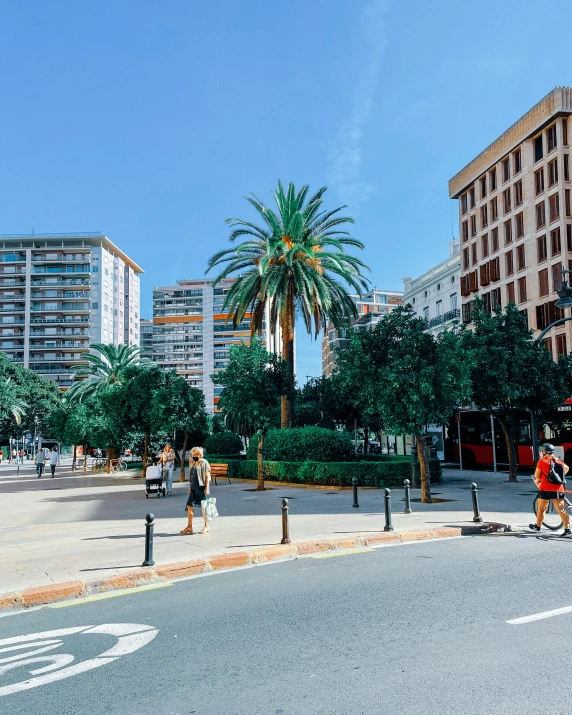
477, 518
285, 527
149, 524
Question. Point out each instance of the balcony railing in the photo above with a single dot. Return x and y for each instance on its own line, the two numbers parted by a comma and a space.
59, 321
58, 333
21, 296
9, 323
57, 282
13, 258
439, 319
67, 259
55, 359
60, 294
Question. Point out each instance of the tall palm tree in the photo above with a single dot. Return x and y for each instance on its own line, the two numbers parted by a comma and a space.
292, 264
105, 367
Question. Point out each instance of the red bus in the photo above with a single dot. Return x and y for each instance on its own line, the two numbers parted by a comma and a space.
474, 428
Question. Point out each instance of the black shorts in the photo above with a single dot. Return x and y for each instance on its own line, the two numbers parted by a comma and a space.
551, 495
196, 496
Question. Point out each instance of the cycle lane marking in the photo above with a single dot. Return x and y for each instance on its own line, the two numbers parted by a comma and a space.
130, 637
540, 616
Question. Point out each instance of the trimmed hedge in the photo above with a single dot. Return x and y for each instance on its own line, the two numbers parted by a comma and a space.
380, 474
301, 444
223, 443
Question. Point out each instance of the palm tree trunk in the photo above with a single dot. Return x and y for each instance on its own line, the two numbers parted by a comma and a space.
423, 471
287, 326
183, 458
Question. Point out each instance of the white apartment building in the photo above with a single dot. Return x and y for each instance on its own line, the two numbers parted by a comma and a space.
146, 338
193, 335
371, 308
61, 292
434, 296
515, 218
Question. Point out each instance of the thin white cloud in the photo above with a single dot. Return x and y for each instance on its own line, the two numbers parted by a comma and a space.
344, 175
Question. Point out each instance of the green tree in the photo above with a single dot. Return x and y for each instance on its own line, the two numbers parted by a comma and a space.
253, 383
12, 405
178, 407
108, 366
291, 264
511, 372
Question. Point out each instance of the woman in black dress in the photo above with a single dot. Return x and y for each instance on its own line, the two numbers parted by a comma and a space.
199, 486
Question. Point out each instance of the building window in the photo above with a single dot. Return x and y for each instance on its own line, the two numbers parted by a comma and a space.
553, 172
439, 306
484, 216
510, 293
465, 229
494, 240
464, 204
551, 138
95, 305
453, 301
496, 298
547, 313
494, 209
520, 258
474, 257
506, 200
569, 238
561, 345
540, 215
472, 196
507, 232
539, 181
543, 288
485, 245
486, 298
556, 277
522, 290
565, 131
566, 168
518, 193
464, 284
494, 270
474, 281
548, 344
493, 179
519, 225
567, 201
554, 207
517, 161
506, 169
541, 246
555, 246
473, 225
426, 313
483, 182
485, 274
538, 149
509, 263
465, 259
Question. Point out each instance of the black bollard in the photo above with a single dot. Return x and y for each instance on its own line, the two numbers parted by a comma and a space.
150, 523
285, 529
354, 483
477, 518
388, 525
408, 509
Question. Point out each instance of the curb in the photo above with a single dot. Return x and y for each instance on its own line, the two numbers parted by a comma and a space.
43, 595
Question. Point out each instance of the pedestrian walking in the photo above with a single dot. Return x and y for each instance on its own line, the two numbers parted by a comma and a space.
21, 454
199, 488
54, 460
167, 459
40, 462
14, 456
1, 455
549, 477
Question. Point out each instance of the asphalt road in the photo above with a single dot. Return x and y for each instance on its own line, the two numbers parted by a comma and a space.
420, 628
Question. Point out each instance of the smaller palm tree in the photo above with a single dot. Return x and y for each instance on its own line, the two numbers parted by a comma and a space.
106, 366
11, 403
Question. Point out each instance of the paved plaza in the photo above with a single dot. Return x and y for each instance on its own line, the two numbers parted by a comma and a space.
87, 526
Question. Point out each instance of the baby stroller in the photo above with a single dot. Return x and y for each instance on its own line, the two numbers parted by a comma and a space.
154, 481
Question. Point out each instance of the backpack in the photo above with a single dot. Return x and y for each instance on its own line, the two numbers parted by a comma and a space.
554, 476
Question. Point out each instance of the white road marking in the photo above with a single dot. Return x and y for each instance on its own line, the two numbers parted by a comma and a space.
540, 616
130, 637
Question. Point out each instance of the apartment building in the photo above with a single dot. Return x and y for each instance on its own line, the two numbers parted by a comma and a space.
61, 292
193, 335
434, 295
515, 218
146, 338
371, 308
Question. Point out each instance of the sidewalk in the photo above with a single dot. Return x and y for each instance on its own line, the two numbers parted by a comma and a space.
78, 526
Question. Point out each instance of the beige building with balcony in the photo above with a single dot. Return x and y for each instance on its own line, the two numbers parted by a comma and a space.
515, 218
61, 292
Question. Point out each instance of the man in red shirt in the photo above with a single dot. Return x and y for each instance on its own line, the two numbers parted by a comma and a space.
549, 491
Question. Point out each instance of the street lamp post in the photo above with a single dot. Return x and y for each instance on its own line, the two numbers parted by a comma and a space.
564, 301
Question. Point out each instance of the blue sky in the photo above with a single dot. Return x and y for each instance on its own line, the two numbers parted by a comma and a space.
151, 120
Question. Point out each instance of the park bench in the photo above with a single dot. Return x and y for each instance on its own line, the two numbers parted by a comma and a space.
219, 470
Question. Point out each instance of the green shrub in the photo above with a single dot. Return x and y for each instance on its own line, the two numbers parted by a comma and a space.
223, 443
301, 444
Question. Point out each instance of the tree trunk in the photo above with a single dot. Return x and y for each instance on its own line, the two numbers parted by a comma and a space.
365, 439
74, 458
183, 458
145, 455
287, 326
108, 465
424, 475
85, 457
510, 448
260, 485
